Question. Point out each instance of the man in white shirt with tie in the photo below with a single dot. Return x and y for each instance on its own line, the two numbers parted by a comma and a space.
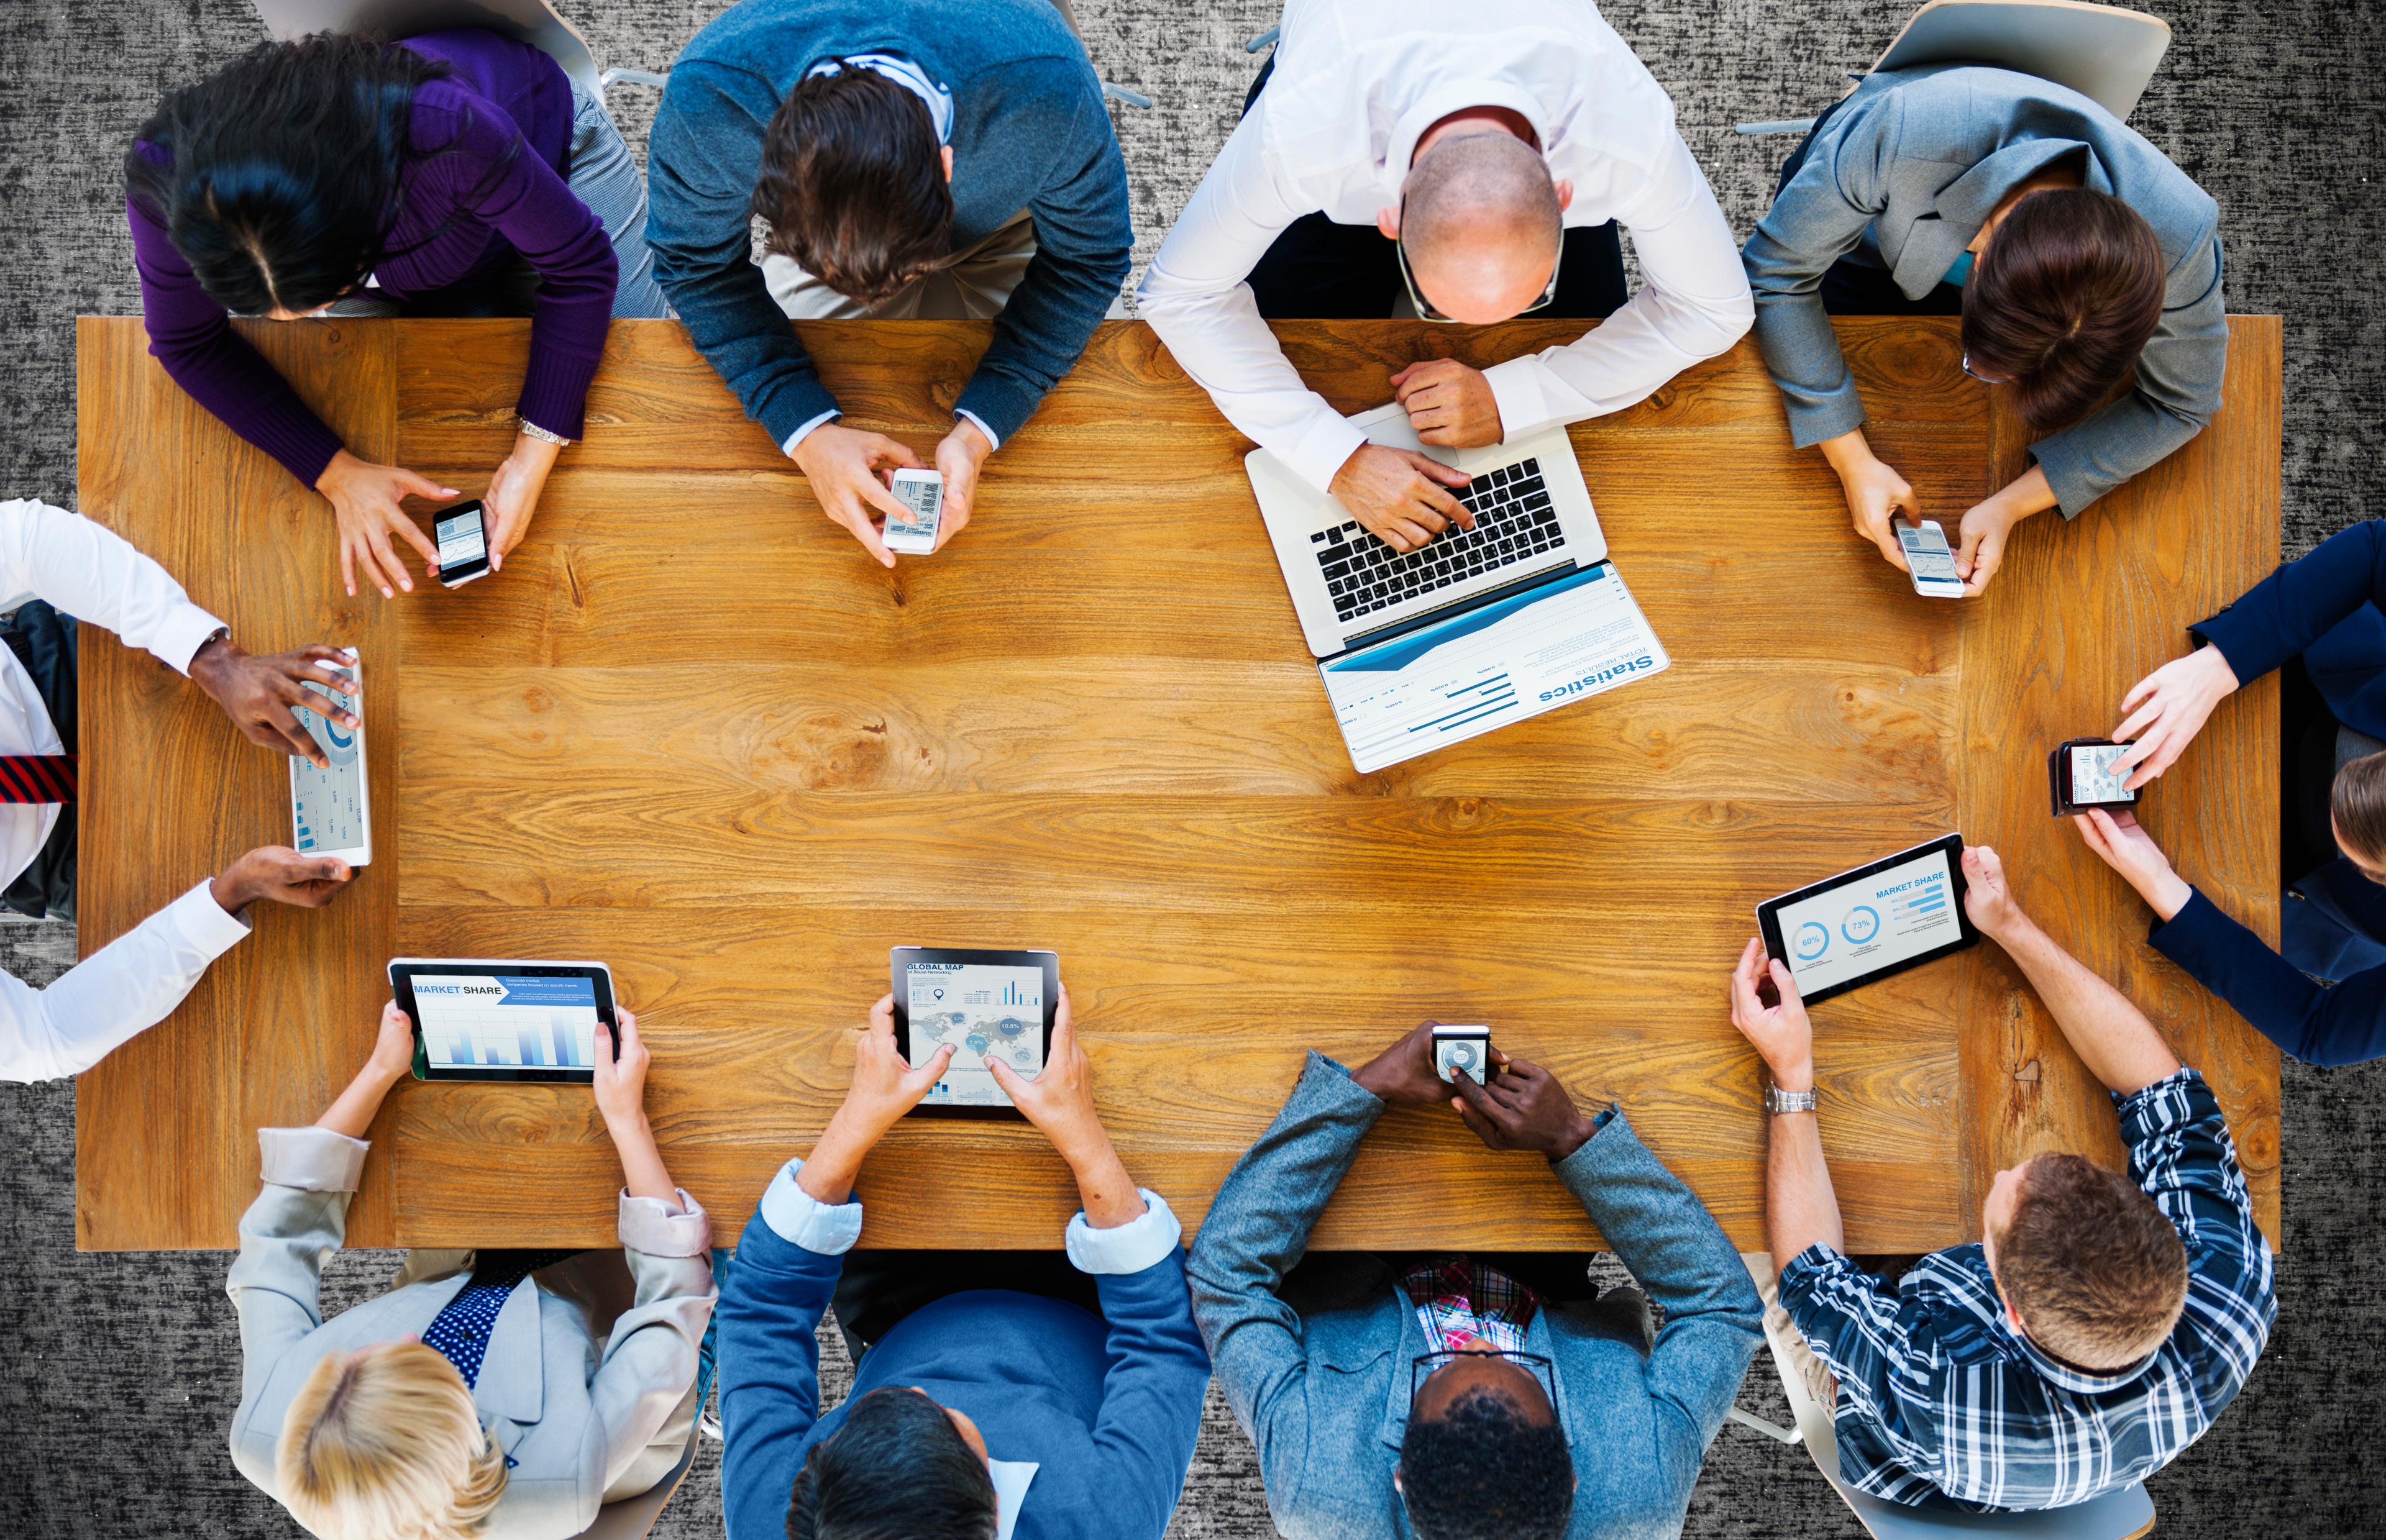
73, 566
1482, 142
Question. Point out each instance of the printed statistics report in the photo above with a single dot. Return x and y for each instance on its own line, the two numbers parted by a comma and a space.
1457, 679
507, 1021
1871, 923
984, 1011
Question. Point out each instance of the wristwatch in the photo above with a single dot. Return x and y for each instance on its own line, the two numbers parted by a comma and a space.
1778, 1101
533, 430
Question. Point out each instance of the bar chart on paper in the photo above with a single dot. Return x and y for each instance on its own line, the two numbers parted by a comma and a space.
508, 1021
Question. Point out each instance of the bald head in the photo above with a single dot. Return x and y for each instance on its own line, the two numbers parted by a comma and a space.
1479, 220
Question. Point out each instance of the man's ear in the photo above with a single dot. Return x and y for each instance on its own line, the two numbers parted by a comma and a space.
1389, 222
1564, 191
947, 151
1396, 1482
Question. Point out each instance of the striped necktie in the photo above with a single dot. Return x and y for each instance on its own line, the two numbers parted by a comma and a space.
37, 778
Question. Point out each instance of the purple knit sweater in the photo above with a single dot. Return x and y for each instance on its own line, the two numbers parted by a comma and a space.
465, 126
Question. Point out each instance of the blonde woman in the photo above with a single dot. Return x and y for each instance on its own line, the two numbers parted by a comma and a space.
495, 1394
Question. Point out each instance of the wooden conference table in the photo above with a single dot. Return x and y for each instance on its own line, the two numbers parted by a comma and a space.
692, 731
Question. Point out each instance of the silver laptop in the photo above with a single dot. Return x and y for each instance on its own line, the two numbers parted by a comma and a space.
1533, 524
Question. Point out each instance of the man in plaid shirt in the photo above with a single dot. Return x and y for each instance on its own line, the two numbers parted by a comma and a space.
2103, 1323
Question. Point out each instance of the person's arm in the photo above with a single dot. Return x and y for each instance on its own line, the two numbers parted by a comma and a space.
1257, 1231
650, 1355
786, 1269
1801, 1209
1693, 302
2332, 1023
299, 1218
2112, 1037
192, 337
2181, 1153
135, 982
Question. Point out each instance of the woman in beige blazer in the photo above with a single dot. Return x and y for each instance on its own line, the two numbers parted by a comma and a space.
499, 1393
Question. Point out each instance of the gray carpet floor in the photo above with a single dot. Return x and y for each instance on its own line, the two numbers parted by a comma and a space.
118, 1374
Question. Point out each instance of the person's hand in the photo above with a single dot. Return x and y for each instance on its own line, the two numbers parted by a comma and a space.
1402, 1075
2167, 709
1060, 1100
393, 1050
1875, 492
279, 873
1521, 1107
1980, 543
1399, 494
885, 1085
1988, 898
512, 497
961, 456
1449, 404
622, 1083
1780, 1032
258, 693
848, 468
2130, 851
368, 499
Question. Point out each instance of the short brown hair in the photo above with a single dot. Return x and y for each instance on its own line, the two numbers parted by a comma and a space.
2096, 1272
2062, 302
2356, 804
853, 184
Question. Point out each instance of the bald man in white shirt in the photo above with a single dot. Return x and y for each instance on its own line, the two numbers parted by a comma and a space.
80, 570
1504, 132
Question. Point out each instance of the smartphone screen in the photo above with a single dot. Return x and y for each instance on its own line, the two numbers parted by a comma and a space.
1927, 553
2094, 782
922, 493
463, 547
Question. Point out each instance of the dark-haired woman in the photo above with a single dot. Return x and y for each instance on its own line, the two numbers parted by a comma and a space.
2075, 251
2324, 612
460, 172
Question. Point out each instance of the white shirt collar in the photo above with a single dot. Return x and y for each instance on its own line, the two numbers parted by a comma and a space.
1010, 1479
909, 76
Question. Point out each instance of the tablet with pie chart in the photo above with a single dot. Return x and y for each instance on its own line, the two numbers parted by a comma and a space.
987, 1006
1896, 913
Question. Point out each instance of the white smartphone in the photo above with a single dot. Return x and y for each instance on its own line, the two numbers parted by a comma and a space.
1929, 560
922, 493
328, 814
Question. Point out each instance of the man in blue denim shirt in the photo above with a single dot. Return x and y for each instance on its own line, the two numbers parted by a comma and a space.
1452, 1397
2102, 1325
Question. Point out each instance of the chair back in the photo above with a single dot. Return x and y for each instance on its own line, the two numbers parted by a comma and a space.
631, 1518
532, 22
2103, 52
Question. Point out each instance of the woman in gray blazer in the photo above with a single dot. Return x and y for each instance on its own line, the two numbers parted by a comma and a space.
2074, 250
498, 1393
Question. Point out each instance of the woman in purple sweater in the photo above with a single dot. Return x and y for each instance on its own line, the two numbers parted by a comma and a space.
462, 172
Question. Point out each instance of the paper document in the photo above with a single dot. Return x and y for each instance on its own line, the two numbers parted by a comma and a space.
1517, 657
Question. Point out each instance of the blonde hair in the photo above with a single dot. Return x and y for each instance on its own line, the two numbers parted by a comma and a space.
384, 1445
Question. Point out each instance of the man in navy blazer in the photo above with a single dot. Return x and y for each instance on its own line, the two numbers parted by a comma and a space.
1450, 1397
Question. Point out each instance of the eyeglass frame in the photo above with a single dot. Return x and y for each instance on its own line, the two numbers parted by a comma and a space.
1417, 295
1966, 360
1544, 1369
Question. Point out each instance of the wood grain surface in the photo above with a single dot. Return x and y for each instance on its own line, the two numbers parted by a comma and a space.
693, 730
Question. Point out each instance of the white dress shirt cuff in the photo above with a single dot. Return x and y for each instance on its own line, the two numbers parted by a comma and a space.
182, 634
312, 1159
203, 924
660, 1229
1516, 391
805, 431
800, 1218
992, 438
1128, 1247
1325, 441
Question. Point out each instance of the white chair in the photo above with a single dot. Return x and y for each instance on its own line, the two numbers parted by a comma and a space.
2122, 1515
2103, 52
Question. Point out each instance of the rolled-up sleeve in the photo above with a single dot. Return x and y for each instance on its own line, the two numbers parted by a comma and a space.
800, 1218
1130, 1247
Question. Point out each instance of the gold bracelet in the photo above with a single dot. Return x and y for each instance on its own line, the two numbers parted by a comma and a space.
533, 430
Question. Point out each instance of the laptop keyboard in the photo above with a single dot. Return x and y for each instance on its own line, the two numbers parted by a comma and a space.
1514, 522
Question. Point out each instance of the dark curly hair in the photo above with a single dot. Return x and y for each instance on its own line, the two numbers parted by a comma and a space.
898, 1469
1482, 1472
280, 177
853, 184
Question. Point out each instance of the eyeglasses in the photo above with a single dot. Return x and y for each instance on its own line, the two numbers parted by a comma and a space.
1976, 374
1417, 295
1425, 1366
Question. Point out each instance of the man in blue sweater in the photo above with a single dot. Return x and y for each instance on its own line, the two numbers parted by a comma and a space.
981, 1412
1458, 1397
911, 157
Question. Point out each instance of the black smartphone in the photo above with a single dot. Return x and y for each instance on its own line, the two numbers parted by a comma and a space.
463, 543
2081, 775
